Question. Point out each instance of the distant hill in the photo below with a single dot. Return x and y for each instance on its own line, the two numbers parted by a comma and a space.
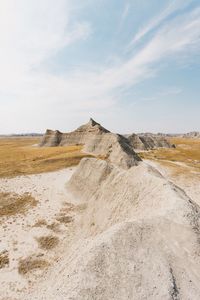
193, 134
21, 135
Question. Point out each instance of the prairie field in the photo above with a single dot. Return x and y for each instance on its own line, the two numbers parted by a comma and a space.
21, 156
185, 158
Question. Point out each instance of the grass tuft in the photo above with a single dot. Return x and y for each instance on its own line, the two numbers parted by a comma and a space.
55, 227
40, 223
64, 219
4, 259
48, 242
29, 264
12, 204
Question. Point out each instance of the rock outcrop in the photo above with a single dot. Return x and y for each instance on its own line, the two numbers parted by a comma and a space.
137, 238
193, 134
136, 142
51, 138
148, 141
96, 140
83, 134
155, 141
149, 226
80, 136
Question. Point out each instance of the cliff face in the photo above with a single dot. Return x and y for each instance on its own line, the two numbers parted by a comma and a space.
83, 134
193, 134
136, 142
155, 141
148, 141
79, 136
142, 224
51, 138
96, 140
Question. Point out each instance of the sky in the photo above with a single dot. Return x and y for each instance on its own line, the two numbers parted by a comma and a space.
132, 65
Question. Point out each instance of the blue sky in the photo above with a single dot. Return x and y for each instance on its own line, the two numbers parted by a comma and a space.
133, 65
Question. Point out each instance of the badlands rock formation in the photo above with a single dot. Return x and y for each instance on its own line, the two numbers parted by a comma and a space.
138, 234
96, 140
155, 141
193, 134
148, 141
146, 243
51, 138
138, 238
136, 142
80, 136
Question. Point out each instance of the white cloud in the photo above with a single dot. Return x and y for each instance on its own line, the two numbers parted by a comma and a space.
172, 7
178, 35
32, 31
158, 96
125, 11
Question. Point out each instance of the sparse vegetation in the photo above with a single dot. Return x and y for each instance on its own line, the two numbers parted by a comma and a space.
54, 227
64, 219
4, 259
40, 223
19, 157
186, 154
12, 204
48, 242
29, 264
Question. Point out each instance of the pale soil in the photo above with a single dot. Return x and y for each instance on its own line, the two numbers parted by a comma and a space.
186, 178
18, 234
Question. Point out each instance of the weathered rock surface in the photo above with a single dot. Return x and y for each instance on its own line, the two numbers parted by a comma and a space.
81, 135
149, 226
51, 138
138, 238
136, 142
155, 141
193, 134
148, 141
98, 141
77, 137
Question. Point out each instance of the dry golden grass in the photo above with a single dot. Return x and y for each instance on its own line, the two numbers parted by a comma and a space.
48, 242
184, 158
64, 219
19, 157
40, 223
12, 204
55, 227
4, 259
29, 264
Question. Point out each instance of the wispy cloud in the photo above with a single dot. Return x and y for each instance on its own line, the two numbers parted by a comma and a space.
158, 96
32, 32
125, 11
154, 23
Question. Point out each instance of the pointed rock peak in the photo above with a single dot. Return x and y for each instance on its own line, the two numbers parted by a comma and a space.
92, 126
92, 122
50, 131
